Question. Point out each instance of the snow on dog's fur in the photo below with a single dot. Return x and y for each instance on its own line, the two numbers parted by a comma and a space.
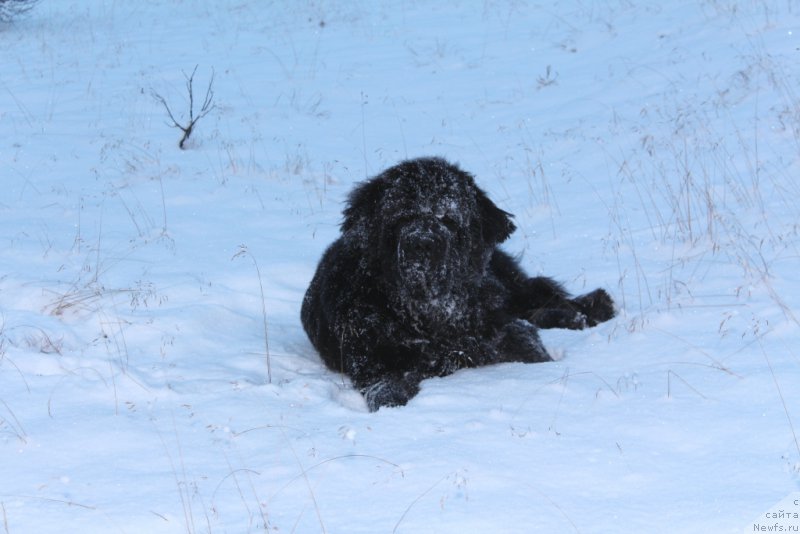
416, 287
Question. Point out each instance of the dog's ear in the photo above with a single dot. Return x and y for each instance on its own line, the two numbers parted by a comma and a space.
496, 224
363, 203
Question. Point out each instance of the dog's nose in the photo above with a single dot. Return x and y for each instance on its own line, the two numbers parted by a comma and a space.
425, 245
422, 247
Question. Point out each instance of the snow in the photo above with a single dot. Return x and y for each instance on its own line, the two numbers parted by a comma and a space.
650, 148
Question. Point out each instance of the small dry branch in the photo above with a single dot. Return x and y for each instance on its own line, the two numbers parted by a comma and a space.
205, 108
244, 251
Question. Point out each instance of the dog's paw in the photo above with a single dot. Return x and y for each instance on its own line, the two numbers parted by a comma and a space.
389, 392
597, 306
568, 317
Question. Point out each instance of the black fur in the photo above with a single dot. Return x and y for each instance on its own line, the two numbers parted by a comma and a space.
416, 287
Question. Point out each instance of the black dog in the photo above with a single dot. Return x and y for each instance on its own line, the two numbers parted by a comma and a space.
416, 287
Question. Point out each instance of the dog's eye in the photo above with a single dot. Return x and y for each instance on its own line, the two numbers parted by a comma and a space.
450, 222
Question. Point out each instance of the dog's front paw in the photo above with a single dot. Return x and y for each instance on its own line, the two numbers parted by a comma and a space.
389, 392
568, 317
597, 306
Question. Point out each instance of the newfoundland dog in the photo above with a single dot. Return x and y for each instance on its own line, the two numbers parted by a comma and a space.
416, 286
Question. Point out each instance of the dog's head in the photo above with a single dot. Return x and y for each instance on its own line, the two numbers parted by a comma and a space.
426, 225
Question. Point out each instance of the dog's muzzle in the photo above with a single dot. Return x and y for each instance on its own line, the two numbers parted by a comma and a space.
422, 257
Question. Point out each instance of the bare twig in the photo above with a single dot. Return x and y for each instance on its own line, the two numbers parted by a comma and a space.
5, 517
205, 108
783, 400
58, 501
419, 498
181, 480
243, 251
304, 473
670, 374
15, 425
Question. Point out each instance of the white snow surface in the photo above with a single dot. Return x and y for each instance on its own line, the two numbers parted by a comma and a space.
651, 148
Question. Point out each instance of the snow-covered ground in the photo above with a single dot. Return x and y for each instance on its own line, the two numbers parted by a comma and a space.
651, 148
